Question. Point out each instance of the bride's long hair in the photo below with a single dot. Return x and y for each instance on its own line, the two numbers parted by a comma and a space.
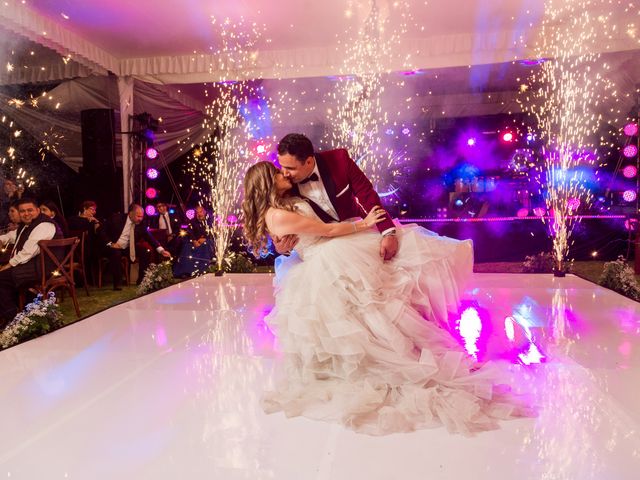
260, 194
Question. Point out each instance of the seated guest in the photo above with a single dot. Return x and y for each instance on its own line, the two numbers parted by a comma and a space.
197, 252
169, 222
51, 210
22, 268
14, 222
86, 220
10, 193
123, 235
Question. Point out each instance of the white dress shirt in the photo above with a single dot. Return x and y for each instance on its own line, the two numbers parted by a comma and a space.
164, 223
123, 241
44, 231
317, 192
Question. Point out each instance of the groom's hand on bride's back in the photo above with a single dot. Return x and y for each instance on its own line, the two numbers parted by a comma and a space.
285, 244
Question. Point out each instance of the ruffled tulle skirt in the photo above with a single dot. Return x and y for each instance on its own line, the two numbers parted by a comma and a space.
363, 341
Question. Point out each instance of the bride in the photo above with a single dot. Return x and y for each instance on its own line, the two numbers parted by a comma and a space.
362, 339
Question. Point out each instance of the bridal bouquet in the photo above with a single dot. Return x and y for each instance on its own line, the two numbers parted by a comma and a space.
619, 276
156, 277
38, 317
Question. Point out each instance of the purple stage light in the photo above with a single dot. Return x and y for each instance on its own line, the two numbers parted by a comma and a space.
629, 195
232, 219
151, 210
151, 153
629, 171
405, 131
191, 213
151, 192
471, 141
631, 129
389, 131
523, 212
152, 173
630, 151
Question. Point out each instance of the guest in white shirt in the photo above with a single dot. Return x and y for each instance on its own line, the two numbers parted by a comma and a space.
127, 235
21, 270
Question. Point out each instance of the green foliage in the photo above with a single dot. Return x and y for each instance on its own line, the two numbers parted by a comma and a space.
619, 276
156, 277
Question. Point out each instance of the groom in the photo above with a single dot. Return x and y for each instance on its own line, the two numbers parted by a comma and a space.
334, 186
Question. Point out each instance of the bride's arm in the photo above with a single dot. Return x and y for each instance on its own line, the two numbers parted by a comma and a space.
283, 222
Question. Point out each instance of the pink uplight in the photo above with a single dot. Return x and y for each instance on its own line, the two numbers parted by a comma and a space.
150, 210
151, 153
507, 137
151, 192
630, 151
471, 142
191, 213
260, 149
152, 173
631, 129
523, 212
538, 211
629, 195
629, 171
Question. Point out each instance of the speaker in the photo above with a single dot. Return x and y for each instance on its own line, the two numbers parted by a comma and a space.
99, 180
98, 141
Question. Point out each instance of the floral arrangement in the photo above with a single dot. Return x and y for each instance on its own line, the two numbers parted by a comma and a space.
619, 276
543, 262
156, 277
235, 262
37, 318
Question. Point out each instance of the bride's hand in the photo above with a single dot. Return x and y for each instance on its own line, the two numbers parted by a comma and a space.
376, 215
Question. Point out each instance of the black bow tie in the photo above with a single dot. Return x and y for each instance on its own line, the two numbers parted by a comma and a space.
311, 178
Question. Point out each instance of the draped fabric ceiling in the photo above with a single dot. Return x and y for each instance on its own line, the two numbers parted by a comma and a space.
149, 56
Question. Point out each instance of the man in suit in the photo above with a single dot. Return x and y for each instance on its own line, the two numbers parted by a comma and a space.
23, 266
334, 186
128, 235
171, 224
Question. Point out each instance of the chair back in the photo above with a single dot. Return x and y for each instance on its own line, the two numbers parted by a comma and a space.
82, 236
56, 263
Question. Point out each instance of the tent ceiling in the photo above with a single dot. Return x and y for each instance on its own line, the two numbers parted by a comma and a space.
171, 41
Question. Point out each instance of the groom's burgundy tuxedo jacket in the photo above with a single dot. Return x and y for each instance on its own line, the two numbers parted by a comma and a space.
349, 190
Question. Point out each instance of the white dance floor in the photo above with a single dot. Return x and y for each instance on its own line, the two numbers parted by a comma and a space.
168, 387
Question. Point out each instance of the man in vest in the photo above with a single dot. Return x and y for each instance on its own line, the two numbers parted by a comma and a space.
22, 267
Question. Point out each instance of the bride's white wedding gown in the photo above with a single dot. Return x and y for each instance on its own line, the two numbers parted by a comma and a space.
361, 339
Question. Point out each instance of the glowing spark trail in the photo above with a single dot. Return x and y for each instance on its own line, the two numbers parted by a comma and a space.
564, 96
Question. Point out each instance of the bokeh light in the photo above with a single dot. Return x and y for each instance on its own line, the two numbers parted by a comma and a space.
631, 129
152, 173
630, 151
630, 171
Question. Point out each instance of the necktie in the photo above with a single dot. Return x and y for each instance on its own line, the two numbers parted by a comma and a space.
311, 178
132, 243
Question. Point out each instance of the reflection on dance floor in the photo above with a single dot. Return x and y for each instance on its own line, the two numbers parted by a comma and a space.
169, 386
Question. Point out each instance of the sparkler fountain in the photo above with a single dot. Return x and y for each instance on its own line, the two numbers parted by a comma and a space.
564, 97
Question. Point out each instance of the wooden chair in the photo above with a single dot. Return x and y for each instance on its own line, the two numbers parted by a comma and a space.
125, 266
81, 260
56, 272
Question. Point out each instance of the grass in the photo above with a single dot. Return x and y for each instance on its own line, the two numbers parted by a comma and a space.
590, 270
100, 299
